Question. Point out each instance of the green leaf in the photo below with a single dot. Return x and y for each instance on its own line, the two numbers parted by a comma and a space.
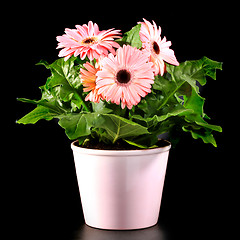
143, 141
206, 136
77, 125
64, 83
101, 107
195, 102
209, 126
45, 110
139, 145
52, 105
168, 89
177, 110
150, 104
63, 73
132, 37
210, 67
195, 123
117, 127
194, 71
164, 103
38, 113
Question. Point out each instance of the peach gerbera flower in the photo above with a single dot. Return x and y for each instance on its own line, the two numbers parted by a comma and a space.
127, 76
87, 40
150, 36
88, 78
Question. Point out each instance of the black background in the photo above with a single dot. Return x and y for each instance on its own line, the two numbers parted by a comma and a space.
44, 194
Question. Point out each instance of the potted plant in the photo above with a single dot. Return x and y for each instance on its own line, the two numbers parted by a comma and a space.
114, 95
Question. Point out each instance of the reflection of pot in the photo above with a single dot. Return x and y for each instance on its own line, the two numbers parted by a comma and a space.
121, 189
88, 233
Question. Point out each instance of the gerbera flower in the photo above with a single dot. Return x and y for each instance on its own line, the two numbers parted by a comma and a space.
87, 40
88, 78
150, 36
127, 76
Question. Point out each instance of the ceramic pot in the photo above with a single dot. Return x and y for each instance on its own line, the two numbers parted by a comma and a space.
120, 189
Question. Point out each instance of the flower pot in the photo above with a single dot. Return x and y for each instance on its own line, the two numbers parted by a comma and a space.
121, 189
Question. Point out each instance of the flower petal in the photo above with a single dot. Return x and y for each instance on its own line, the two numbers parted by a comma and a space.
79, 39
129, 90
169, 56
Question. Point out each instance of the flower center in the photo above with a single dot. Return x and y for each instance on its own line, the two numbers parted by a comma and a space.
156, 47
89, 40
123, 76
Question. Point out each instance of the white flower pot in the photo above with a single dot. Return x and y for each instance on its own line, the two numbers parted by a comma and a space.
121, 189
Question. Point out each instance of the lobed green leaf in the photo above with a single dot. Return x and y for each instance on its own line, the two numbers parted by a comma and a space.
77, 125
132, 37
35, 115
116, 127
119, 128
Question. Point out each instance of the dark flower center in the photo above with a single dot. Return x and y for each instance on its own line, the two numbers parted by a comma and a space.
89, 40
123, 76
156, 48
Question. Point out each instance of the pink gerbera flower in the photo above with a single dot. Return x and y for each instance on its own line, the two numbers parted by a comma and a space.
150, 36
87, 40
127, 76
88, 78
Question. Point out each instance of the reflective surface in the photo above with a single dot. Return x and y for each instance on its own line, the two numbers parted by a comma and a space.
85, 232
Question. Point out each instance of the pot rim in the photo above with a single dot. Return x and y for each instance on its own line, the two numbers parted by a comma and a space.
101, 152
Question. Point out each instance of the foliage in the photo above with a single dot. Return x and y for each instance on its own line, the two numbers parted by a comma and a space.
174, 103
